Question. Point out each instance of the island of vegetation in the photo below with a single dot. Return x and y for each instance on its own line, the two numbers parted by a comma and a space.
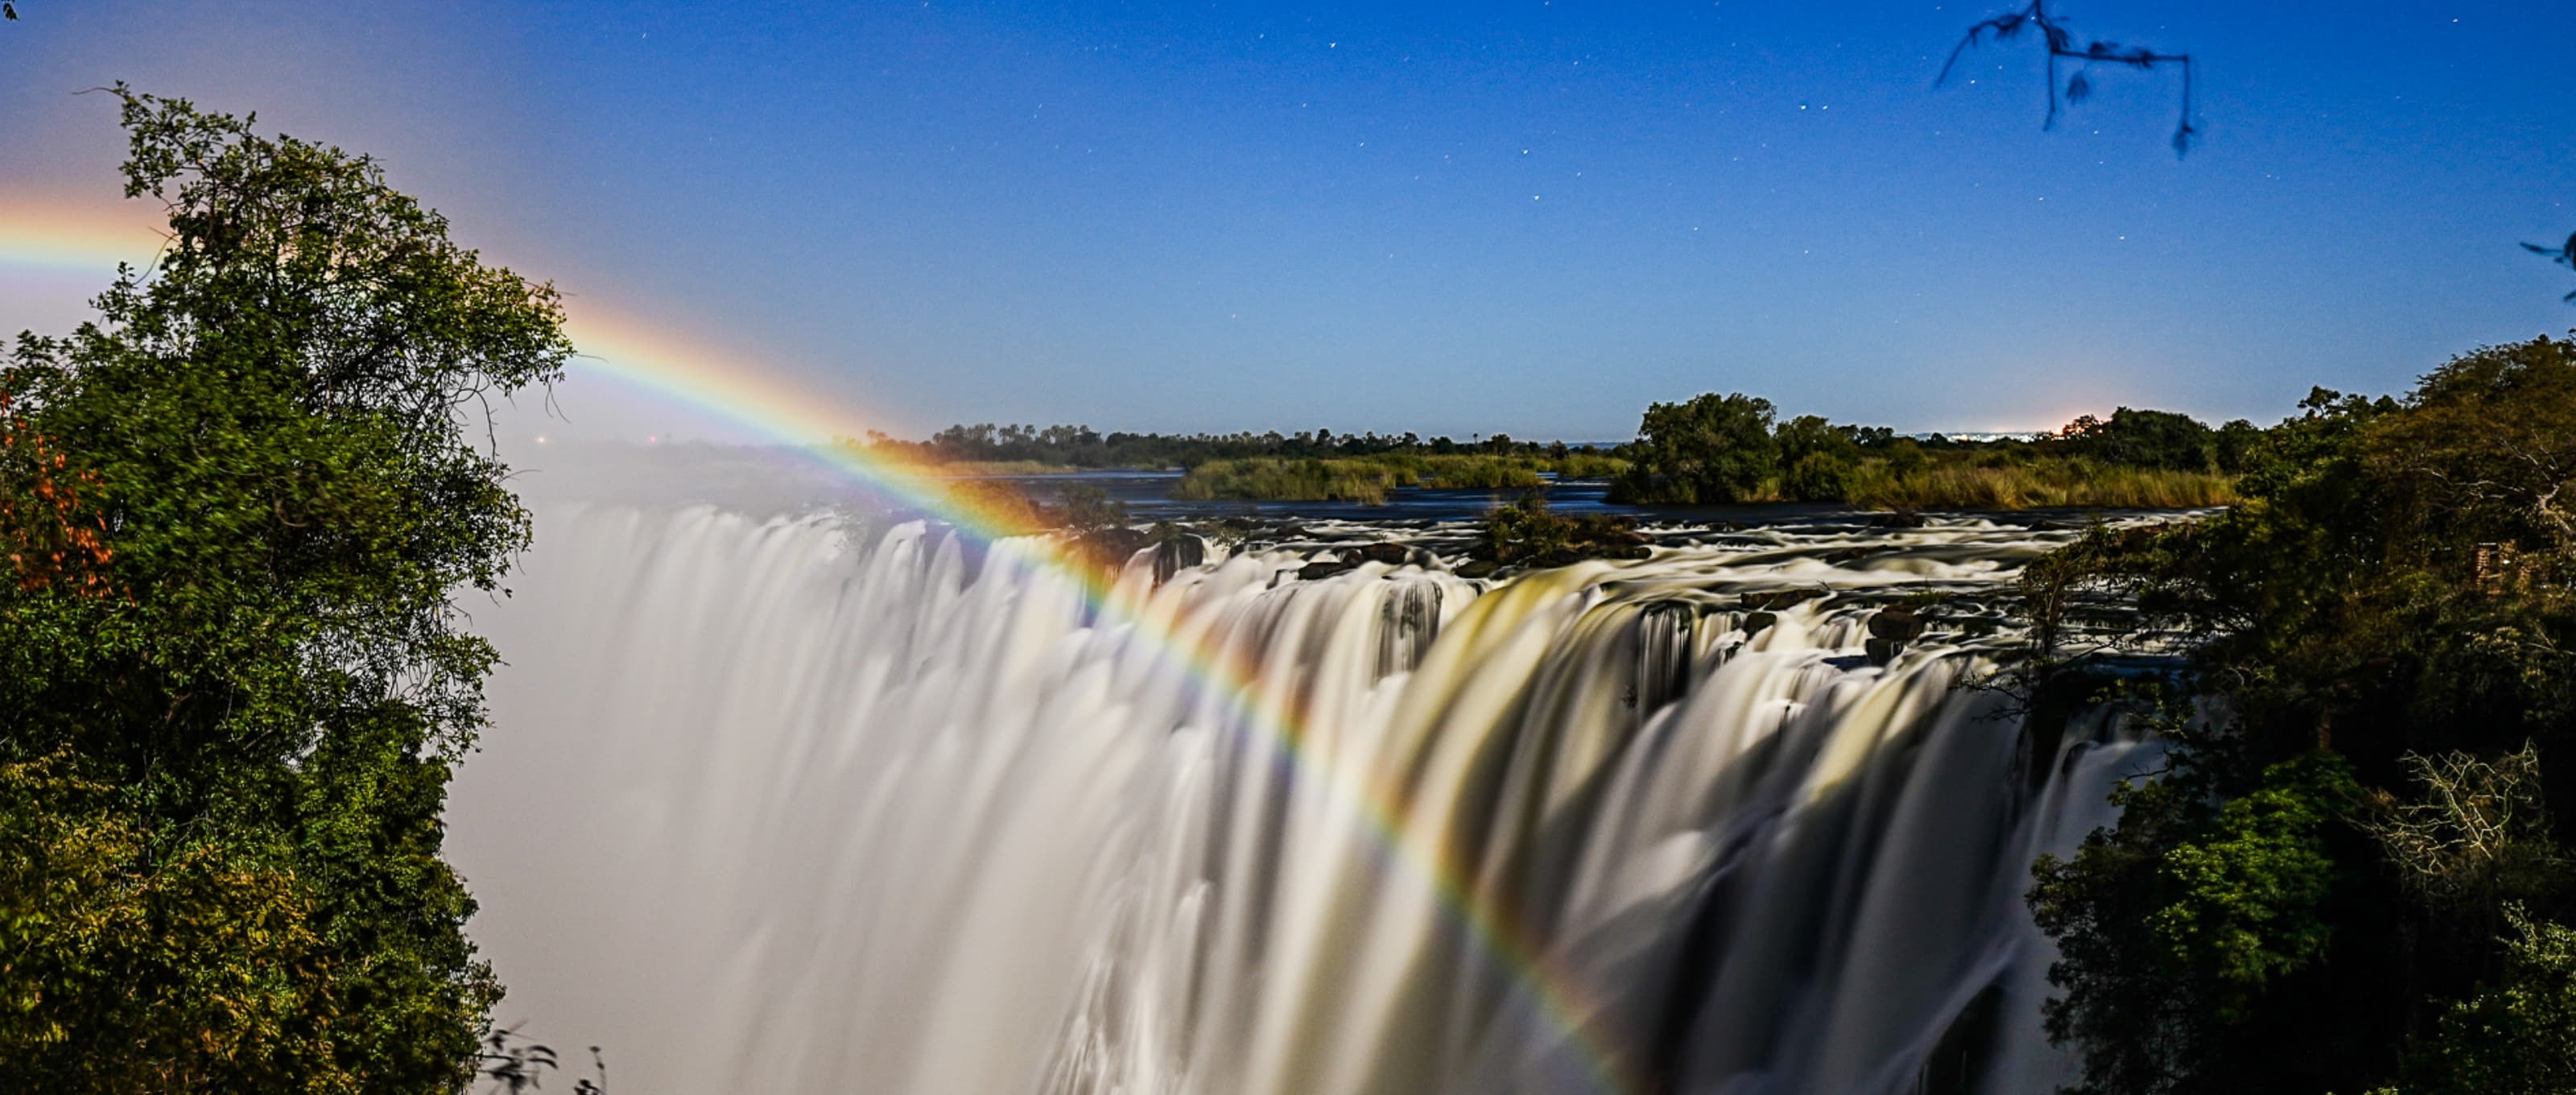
1711, 450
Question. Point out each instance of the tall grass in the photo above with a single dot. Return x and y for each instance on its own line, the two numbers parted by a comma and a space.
1478, 472
2071, 483
1590, 465
1364, 479
970, 469
1275, 480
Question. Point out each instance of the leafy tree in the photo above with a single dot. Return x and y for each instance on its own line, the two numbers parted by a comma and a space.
1712, 450
2518, 1035
2174, 923
1528, 532
1817, 458
2392, 596
227, 755
2143, 439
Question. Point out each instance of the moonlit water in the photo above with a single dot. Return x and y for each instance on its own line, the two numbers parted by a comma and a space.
784, 806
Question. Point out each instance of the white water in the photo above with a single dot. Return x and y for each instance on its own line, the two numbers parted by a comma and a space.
772, 808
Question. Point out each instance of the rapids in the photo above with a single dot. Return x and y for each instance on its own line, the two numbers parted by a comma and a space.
786, 806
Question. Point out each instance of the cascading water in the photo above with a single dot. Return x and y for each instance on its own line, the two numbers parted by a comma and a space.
773, 807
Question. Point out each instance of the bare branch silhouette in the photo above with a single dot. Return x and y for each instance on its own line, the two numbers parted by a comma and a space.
2062, 46
2564, 256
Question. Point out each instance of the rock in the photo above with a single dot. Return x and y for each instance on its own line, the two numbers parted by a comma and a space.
1478, 568
1898, 625
1392, 554
1754, 623
1313, 571
1882, 651
1839, 556
1175, 554
1899, 518
1112, 547
1780, 598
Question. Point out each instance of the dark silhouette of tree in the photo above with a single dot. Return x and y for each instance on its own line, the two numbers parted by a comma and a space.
2062, 46
2564, 255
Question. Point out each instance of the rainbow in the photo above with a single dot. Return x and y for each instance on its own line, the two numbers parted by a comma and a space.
752, 399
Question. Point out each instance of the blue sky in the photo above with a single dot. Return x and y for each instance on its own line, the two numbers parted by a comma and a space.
1531, 217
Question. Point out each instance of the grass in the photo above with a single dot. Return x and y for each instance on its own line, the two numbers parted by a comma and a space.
1272, 480
1366, 479
1587, 465
970, 469
2069, 483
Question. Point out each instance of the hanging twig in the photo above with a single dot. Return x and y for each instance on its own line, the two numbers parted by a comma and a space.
2564, 255
2061, 45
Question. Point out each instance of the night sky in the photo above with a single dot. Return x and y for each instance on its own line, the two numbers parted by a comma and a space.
1530, 217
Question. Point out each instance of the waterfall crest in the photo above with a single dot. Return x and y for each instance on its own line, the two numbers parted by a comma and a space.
835, 811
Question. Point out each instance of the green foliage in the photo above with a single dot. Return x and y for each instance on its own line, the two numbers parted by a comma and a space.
1061, 447
1364, 479
1819, 477
1527, 532
2517, 1036
1283, 480
2245, 894
2143, 439
1712, 450
2173, 924
2044, 482
2394, 593
269, 427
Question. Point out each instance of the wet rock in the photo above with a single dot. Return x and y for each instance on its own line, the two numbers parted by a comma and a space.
1313, 571
1890, 630
1899, 518
1392, 554
1754, 623
1112, 547
1780, 598
1478, 568
1900, 625
1176, 554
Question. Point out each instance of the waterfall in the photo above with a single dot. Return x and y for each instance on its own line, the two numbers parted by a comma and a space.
793, 806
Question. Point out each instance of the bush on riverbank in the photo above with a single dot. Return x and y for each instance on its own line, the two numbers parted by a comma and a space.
1288, 480
1528, 532
1367, 479
2351, 880
2074, 483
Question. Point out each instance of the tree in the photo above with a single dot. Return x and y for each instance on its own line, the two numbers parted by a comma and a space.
235, 744
2143, 439
2392, 599
1712, 450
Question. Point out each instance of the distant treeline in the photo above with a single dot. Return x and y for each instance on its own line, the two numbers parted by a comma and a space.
1727, 449
1711, 450
1084, 447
